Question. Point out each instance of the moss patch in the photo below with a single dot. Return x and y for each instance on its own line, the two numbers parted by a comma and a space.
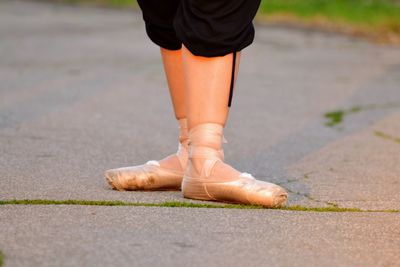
337, 116
1, 259
123, 203
387, 136
176, 204
322, 209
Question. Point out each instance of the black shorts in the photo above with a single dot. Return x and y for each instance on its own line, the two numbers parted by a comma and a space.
206, 27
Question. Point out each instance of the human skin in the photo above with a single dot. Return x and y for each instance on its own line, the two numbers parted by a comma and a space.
207, 84
173, 68
199, 86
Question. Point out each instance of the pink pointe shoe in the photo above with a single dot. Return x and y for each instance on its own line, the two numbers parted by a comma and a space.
165, 174
207, 177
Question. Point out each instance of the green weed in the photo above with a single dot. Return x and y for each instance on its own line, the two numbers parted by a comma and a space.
176, 204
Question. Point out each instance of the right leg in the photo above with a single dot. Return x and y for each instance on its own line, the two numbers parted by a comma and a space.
172, 60
166, 173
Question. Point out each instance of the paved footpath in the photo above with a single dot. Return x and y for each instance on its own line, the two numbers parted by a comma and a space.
82, 90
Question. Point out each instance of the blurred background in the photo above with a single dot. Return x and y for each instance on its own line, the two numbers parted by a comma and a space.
375, 19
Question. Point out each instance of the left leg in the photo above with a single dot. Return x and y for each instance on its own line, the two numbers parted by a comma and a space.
208, 82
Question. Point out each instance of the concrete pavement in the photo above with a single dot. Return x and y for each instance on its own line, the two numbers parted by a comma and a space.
142, 236
82, 90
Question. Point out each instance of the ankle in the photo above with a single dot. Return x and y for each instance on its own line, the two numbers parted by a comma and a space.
183, 132
183, 147
179, 160
206, 135
205, 147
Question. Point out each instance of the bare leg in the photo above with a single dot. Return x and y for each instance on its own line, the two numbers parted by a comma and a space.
166, 173
208, 87
207, 177
207, 82
172, 60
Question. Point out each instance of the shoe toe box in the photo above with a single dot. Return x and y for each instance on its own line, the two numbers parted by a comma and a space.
112, 179
280, 197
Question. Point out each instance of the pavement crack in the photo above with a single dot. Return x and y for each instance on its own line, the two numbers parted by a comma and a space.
306, 176
178, 204
313, 199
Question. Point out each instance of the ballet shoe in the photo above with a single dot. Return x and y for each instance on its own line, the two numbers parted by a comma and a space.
165, 174
148, 176
207, 177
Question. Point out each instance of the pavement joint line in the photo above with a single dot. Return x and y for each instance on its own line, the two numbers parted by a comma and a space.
178, 204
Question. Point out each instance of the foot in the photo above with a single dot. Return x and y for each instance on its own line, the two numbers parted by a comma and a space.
148, 176
165, 174
207, 177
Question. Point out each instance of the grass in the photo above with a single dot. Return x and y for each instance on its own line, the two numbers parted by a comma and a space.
361, 12
1, 259
387, 136
122, 203
379, 19
176, 204
337, 116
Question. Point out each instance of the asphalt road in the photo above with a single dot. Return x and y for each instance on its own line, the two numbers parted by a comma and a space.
82, 90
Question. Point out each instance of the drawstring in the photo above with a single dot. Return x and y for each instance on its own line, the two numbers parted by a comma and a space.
232, 79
